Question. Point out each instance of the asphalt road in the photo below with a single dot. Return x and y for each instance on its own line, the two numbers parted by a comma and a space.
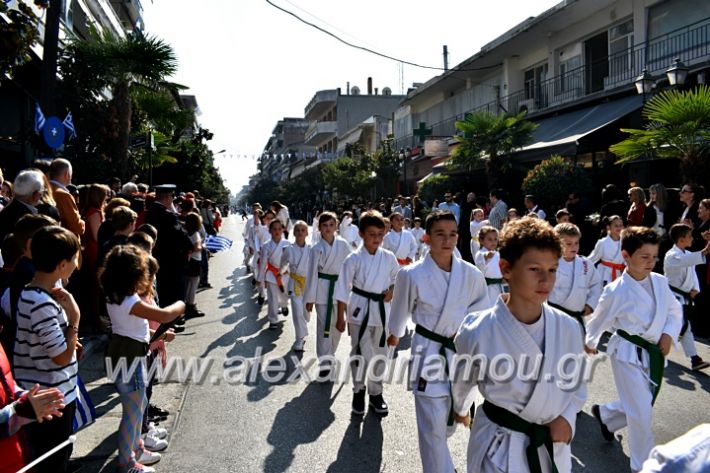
279, 426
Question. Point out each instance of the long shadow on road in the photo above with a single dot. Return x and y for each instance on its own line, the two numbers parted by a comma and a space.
301, 421
361, 446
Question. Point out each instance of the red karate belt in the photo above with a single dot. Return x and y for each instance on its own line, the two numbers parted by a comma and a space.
403, 262
614, 268
277, 274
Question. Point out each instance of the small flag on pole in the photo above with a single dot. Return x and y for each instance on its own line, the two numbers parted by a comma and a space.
85, 413
215, 243
39, 119
69, 125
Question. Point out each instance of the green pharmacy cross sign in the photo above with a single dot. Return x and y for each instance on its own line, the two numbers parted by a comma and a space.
422, 132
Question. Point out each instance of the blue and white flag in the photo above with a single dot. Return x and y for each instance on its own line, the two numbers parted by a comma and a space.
85, 411
39, 119
215, 243
69, 125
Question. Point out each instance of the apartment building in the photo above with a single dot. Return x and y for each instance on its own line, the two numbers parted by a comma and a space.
286, 155
573, 70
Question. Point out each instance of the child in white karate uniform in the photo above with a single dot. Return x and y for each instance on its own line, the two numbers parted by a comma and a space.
418, 233
540, 410
271, 275
297, 258
607, 251
487, 259
476, 224
679, 267
645, 319
364, 289
578, 284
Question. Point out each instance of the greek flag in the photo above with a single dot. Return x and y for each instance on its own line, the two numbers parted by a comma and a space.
215, 243
69, 125
85, 412
39, 119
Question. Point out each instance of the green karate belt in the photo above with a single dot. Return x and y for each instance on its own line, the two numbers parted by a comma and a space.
380, 299
539, 435
579, 316
492, 281
656, 359
687, 308
446, 344
331, 278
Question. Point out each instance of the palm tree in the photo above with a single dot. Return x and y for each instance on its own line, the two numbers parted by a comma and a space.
121, 66
678, 127
493, 137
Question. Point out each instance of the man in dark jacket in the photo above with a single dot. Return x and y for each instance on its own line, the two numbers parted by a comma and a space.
171, 248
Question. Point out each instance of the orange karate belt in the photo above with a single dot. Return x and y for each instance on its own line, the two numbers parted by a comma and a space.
614, 268
277, 274
403, 262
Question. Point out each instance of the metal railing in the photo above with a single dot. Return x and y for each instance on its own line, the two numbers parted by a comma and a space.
691, 44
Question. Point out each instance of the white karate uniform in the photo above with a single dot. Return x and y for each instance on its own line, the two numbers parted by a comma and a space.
438, 301
475, 227
608, 250
374, 274
246, 234
315, 232
495, 333
490, 269
297, 260
627, 305
578, 283
403, 244
679, 268
325, 259
418, 236
271, 253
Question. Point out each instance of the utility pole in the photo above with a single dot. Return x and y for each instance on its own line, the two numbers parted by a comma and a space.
49, 57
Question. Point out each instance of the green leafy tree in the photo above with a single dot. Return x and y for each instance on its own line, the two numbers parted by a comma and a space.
552, 180
17, 37
434, 187
491, 138
119, 65
387, 168
678, 127
350, 178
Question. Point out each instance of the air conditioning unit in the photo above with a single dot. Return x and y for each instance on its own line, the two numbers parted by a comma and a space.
527, 105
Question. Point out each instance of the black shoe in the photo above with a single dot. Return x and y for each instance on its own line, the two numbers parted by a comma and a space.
608, 436
698, 363
260, 300
193, 312
253, 282
205, 285
179, 321
157, 411
284, 311
275, 325
378, 404
358, 406
157, 419
179, 328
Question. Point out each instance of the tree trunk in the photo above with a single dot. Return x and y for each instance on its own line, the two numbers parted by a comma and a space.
122, 101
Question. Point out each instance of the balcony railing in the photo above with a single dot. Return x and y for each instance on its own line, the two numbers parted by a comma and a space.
319, 132
691, 44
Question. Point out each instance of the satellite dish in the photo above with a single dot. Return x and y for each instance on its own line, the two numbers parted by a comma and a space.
386, 91
355, 90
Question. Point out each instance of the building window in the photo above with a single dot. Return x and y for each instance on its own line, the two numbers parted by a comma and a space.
533, 79
621, 41
571, 74
674, 14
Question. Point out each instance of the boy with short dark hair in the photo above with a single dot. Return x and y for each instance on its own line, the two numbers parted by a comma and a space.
429, 291
521, 415
578, 284
679, 267
48, 346
364, 290
400, 241
645, 318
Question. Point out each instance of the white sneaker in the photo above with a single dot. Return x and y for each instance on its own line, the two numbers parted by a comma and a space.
159, 432
149, 458
153, 443
299, 344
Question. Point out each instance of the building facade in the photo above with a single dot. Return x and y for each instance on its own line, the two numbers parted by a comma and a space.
572, 70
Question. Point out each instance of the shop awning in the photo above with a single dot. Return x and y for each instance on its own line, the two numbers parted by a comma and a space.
561, 133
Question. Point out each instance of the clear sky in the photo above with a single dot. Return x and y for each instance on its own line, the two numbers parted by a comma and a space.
250, 65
